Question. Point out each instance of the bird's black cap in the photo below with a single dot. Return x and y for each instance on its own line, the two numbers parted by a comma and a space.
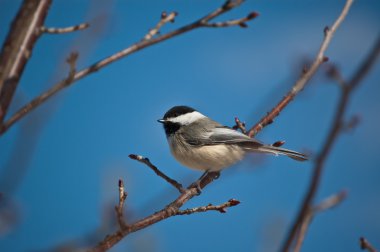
177, 111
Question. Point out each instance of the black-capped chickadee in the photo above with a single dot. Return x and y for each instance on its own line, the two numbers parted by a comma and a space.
200, 143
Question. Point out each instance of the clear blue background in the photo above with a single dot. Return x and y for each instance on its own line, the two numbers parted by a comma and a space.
66, 157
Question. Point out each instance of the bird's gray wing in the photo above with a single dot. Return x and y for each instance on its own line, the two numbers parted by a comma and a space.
219, 135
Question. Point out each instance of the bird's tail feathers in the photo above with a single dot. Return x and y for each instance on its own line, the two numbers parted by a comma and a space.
281, 151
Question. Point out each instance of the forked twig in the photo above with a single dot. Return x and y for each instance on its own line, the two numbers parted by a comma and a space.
326, 204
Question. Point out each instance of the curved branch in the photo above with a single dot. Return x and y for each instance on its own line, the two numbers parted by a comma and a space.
326, 204
336, 128
203, 22
306, 75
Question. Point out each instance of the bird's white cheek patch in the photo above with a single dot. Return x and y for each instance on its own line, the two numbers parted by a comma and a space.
187, 118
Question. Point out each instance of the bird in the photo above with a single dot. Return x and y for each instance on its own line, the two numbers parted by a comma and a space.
200, 143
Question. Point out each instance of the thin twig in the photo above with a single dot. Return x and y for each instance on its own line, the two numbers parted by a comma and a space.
72, 61
54, 30
119, 208
366, 245
37, 101
306, 76
240, 125
222, 208
326, 204
240, 22
159, 173
330, 202
165, 18
336, 128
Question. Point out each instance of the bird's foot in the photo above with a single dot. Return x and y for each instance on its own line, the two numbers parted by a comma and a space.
216, 174
197, 185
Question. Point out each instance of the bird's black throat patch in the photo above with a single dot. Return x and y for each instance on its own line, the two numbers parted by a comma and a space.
171, 128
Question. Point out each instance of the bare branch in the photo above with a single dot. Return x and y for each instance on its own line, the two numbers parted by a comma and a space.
54, 30
306, 76
170, 210
366, 245
165, 18
203, 22
222, 208
18, 47
119, 209
326, 204
336, 128
159, 173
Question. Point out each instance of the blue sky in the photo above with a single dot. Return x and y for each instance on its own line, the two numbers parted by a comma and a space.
73, 149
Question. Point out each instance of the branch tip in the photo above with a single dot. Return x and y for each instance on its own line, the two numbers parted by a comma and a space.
253, 15
278, 143
234, 202
366, 245
326, 30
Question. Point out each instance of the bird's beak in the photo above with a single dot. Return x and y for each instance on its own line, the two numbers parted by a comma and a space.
161, 121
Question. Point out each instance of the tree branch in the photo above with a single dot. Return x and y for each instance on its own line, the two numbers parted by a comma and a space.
326, 204
18, 48
203, 22
336, 128
306, 75
159, 173
170, 210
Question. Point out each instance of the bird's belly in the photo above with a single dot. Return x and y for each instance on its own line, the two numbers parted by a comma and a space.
212, 158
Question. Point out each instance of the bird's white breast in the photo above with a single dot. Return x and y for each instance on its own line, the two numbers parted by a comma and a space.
212, 157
